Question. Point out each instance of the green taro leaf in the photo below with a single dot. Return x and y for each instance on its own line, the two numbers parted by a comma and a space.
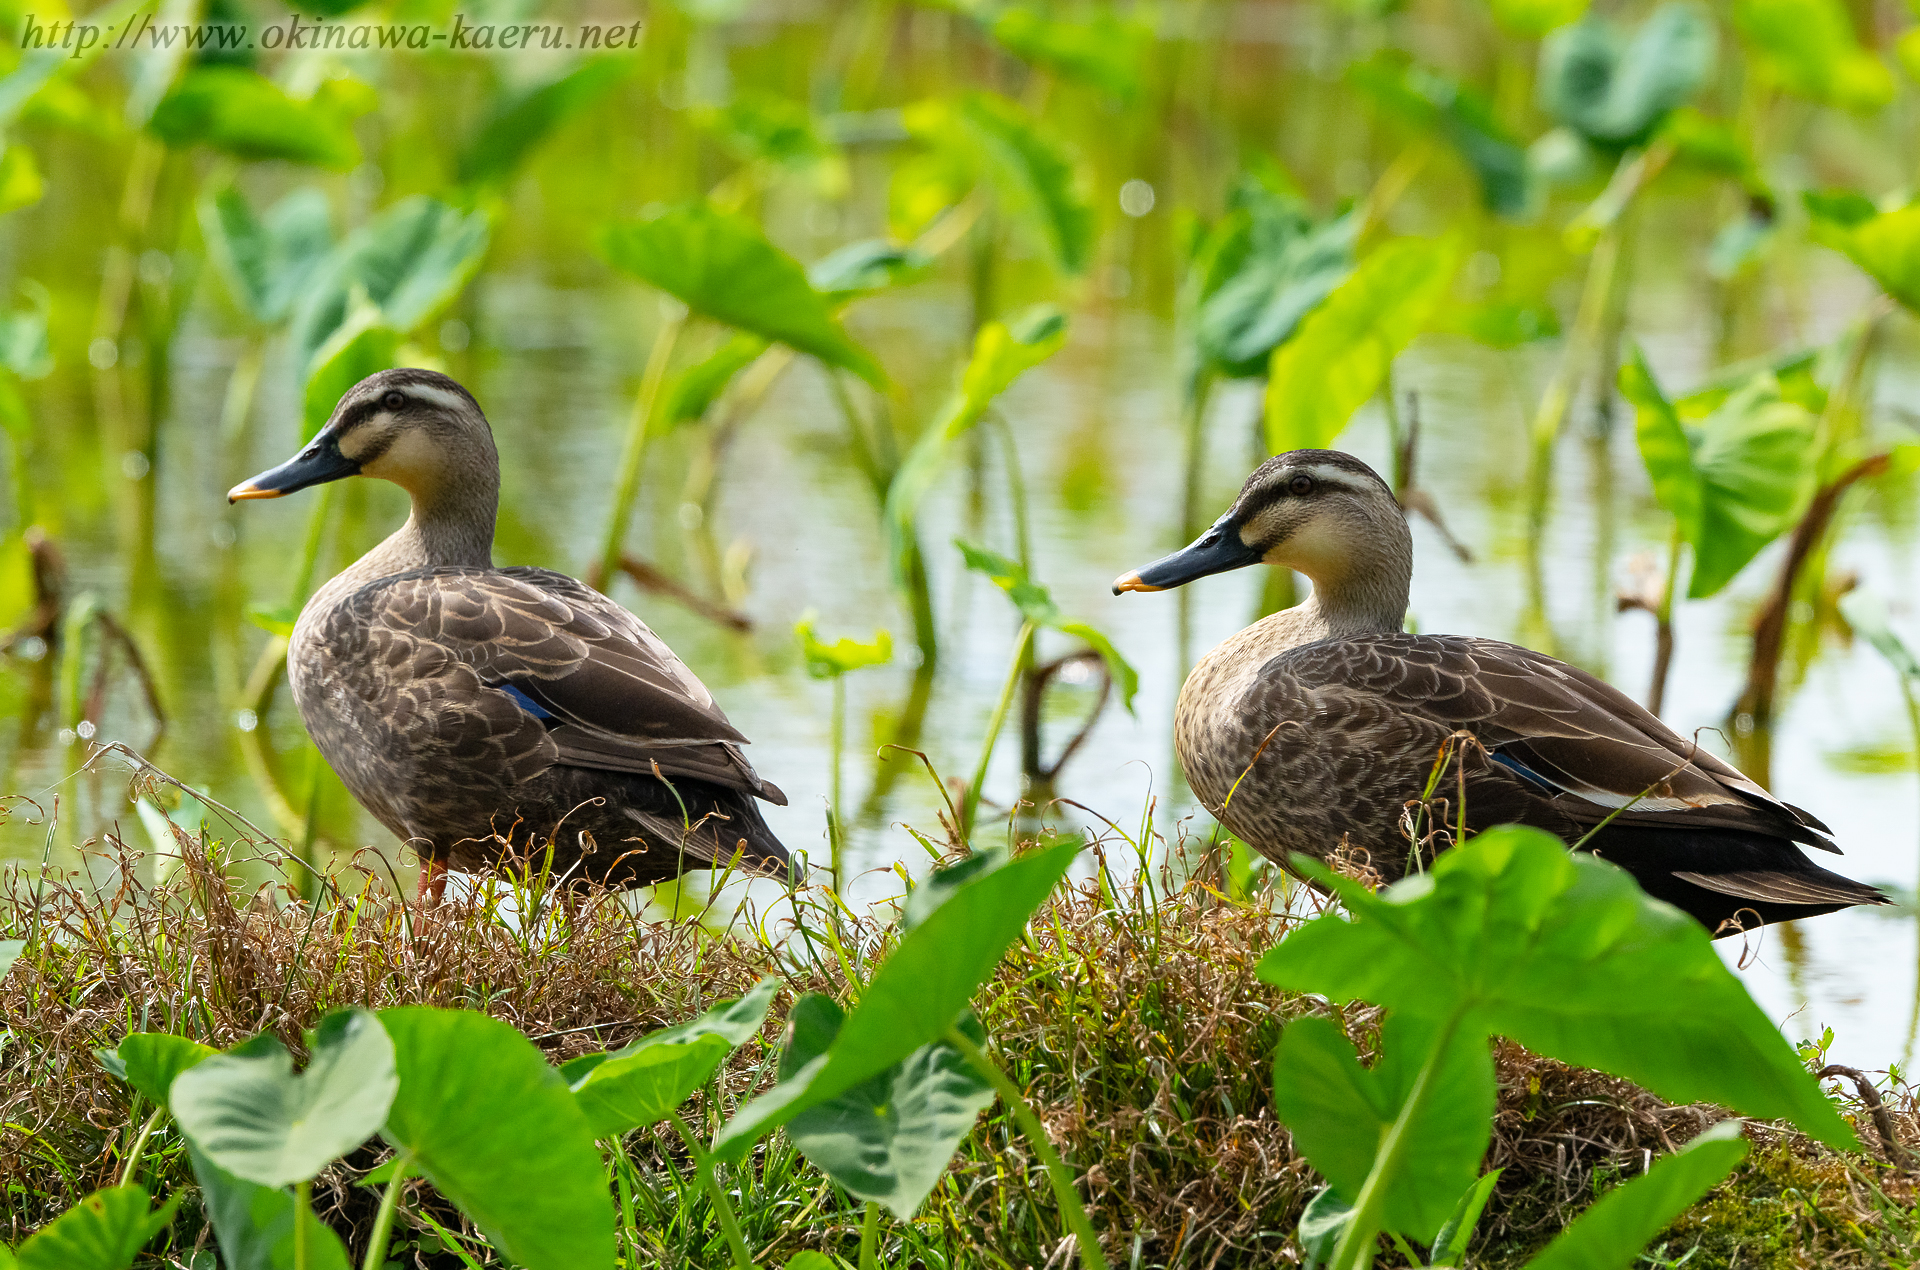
1534, 18
844, 655
1736, 482
1885, 244
149, 1061
1338, 1112
267, 261
722, 267
1002, 352
1867, 614
1260, 291
1555, 950
1622, 1222
359, 347
483, 1115
1105, 50
410, 261
520, 122
250, 1115
254, 1223
104, 1231
643, 1083
1340, 356
989, 137
859, 268
1613, 89
1437, 104
915, 996
247, 115
1450, 1245
695, 389
812, 1261
1808, 48
890, 1138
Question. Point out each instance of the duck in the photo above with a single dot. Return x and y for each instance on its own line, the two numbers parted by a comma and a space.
489, 714
1313, 730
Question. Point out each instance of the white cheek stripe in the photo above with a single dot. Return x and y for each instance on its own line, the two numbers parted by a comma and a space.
451, 402
1329, 475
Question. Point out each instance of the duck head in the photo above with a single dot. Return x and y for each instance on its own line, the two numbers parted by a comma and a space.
416, 428
1318, 512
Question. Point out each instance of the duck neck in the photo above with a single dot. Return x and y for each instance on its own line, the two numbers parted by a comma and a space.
445, 528
1364, 601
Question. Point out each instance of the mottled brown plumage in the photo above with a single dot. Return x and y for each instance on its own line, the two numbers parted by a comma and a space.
1311, 730
476, 711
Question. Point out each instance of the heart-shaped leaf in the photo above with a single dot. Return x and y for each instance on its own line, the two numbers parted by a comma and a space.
1338, 1112
267, 260
889, 1138
251, 1115
1614, 89
1555, 950
492, 1124
917, 993
104, 1231
722, 267
254, 1223
642, 1083
149, 1061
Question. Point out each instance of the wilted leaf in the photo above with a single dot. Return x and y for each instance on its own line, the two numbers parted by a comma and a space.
1555, 950
247, 115
252, 1116
1338, 1112
518, 123
915, 996
643, 1083
722, 267
1341, 354
1808, 48
1614, 89
482, 1114
1619, 1225
890, 1138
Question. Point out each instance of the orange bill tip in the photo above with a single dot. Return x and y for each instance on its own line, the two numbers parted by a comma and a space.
247, 489
1132, 582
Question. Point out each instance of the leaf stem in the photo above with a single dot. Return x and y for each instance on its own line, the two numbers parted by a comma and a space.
1071, 1209
722, 1207
971, 806
1356, 1247
132, 1164
383, 1219
837, 841
870, 1238
1663, 624
633, 455
302, 1215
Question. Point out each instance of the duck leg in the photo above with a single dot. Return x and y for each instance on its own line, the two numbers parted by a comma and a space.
433, 882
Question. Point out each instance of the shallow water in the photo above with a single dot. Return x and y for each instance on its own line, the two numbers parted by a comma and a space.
1100, 445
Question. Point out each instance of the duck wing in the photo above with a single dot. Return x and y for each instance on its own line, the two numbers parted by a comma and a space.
611, 695
1574, 739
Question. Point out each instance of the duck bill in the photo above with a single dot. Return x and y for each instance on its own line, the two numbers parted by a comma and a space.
319, 463
1216, 551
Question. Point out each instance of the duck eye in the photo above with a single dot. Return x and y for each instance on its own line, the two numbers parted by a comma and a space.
1302, 484
393, 401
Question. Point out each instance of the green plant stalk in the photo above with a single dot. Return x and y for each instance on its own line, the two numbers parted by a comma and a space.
970, 808
1071, 1209
870, 1238
1356, 1247
722, 1208
132, 1164
835, 743
383, 1219
1663, 625
1023, 544
302, 1208
633, 455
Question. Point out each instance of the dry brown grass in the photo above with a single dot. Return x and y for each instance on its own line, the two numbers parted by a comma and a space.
1138, 1028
